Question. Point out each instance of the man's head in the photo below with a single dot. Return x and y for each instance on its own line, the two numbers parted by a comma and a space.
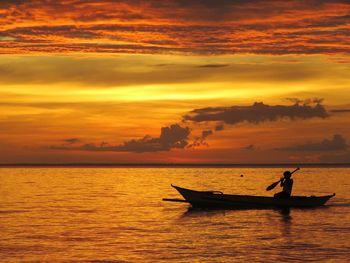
287, 174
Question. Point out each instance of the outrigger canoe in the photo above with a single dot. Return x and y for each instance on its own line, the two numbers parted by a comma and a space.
216, 199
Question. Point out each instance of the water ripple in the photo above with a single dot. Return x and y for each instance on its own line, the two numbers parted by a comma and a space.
116, 215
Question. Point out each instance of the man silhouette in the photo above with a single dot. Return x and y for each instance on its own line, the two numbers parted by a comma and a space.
287, 184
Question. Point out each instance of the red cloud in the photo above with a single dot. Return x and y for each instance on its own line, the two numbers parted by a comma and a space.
202, 26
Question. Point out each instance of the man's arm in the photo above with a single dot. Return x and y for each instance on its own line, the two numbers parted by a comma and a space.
282, 182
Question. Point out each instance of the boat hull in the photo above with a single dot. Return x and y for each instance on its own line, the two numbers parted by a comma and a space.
203, 199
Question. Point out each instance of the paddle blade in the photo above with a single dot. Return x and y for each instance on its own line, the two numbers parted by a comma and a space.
270, 187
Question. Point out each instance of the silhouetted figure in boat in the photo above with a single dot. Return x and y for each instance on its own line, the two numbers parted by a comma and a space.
287, 184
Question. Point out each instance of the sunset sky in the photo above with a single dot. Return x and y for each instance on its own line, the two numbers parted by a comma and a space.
174, 81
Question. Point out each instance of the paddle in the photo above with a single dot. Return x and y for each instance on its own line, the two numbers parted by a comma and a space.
273, 185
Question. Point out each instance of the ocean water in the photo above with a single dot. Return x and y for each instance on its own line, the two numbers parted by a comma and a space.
117, 215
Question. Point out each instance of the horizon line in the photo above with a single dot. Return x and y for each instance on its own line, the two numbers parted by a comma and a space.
2, 165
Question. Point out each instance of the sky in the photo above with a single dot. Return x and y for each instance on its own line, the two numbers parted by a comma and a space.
174, 81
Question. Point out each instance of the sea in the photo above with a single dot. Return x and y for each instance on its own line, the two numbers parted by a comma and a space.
116, 214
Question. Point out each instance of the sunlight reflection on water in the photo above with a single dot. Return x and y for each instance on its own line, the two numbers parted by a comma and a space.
116, 214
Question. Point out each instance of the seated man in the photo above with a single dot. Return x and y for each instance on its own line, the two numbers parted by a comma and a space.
287, 184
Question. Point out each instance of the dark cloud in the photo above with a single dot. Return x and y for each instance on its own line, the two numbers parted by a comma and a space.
72, 140
298, 101
206, 133
337, 143
336, 158
171, 137
340, 111
219, 127
198, 141
249, 147
257, 113
214, 65
7, 3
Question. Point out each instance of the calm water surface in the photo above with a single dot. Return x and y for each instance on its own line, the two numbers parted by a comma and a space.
116, 215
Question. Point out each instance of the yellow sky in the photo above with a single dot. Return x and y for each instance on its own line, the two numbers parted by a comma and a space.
117, 98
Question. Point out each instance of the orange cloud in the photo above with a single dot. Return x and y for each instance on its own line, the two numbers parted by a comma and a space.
175, 26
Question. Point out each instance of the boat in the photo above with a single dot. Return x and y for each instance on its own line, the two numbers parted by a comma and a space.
219, 200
